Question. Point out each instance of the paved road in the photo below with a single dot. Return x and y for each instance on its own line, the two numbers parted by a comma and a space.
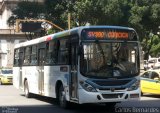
13, 101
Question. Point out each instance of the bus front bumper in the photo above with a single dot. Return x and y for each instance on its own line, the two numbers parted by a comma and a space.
104, 97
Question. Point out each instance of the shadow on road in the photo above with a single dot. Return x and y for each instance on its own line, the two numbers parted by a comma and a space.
151, 96
54, 107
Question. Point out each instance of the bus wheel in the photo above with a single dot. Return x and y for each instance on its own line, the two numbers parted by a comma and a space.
62, 98
26, 90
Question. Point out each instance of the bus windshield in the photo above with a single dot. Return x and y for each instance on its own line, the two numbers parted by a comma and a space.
7, 71
109, 60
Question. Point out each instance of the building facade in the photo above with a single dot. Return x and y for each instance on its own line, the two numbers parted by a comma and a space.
8, 36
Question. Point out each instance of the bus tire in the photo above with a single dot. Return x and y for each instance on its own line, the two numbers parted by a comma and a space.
26, 90
62, 98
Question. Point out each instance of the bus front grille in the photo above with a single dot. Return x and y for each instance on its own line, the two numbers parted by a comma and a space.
108, 96
111, 82
116, 89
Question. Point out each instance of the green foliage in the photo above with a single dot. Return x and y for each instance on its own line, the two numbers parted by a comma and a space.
87, 11
145, 18
155, 46
142, 15
55, 12
113, 11
27, 10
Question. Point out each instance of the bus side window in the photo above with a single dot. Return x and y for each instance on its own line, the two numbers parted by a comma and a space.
47, 53
34, 55
27, 56
16, 57
21, 58
50, 52
63, 52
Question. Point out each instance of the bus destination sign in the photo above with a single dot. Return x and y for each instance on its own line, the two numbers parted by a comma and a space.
107, 34
112, 35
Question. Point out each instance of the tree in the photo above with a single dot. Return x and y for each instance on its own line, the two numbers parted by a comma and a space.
142, 15
87, 11
115, 12
27, 10
55, 12
101, 12
145, 16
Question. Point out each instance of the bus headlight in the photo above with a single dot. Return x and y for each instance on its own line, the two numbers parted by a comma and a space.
87, 86
134, 86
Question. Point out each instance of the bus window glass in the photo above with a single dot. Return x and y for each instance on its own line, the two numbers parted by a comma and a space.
16, 57
27, 55
51, 53
33, 55
63, 52
97, 60
21, 56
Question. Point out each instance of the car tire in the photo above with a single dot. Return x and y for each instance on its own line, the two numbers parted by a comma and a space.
26, 90
141, 93
1, 82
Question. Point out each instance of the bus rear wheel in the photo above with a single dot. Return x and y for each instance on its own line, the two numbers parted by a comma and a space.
62, 98
26, 90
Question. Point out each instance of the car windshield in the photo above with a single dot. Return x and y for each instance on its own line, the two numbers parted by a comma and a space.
108, 60
7, 71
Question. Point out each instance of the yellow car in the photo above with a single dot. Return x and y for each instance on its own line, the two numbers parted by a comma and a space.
6, 76
150, 82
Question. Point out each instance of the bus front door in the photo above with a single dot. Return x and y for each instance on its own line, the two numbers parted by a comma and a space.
74, 77
41, 58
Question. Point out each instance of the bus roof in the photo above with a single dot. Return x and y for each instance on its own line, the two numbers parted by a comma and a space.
76, 30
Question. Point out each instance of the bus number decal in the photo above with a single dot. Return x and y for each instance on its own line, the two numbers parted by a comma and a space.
96, 34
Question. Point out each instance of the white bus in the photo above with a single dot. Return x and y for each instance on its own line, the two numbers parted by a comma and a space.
91, 64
